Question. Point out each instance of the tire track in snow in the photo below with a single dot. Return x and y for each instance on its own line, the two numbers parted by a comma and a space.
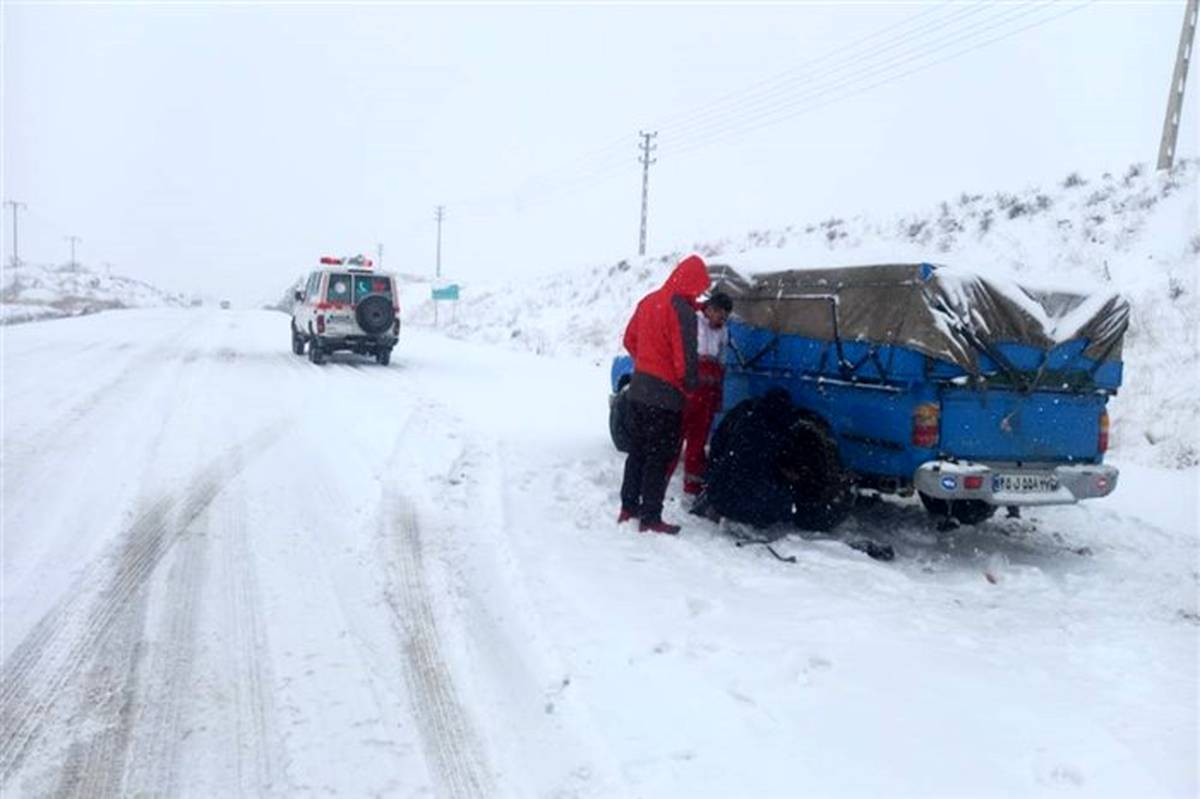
97, 682
94, 765
451, 743
63, 431
158, 721
257, 763
217, 542
37, 676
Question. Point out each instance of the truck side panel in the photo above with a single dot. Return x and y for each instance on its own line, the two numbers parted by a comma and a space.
871, 423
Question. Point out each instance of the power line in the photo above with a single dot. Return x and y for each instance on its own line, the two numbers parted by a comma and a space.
736, 121
782, 80
794, 110
864, 71
611, 154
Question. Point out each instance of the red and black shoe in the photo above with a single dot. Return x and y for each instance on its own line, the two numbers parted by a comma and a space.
658, 527
625, 515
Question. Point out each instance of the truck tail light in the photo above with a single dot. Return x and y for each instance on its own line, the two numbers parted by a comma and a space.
320, 323
973, 482
926, 419
1103, 432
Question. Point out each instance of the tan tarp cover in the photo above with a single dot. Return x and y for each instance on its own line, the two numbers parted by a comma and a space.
935, 310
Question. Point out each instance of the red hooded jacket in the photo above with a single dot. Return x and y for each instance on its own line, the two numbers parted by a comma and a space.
661, 337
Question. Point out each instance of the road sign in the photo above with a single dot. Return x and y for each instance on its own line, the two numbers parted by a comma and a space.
446, 292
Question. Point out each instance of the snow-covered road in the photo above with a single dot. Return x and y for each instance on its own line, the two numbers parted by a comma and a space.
228, 571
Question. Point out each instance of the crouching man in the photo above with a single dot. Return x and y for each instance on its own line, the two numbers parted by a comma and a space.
701, 405
750, 478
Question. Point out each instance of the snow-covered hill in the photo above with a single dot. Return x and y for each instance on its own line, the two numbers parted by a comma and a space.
35, 291
1136, 232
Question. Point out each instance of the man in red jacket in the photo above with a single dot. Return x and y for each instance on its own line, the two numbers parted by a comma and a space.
661, 337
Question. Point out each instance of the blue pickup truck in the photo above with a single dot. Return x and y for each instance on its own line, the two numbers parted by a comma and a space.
904, 378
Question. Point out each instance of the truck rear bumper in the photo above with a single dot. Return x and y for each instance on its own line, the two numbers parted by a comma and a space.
1010, 484
359, 343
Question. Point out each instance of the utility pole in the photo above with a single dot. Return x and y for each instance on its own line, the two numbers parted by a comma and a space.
646, 161
16, 258
1166, 150
439, 215
73, 240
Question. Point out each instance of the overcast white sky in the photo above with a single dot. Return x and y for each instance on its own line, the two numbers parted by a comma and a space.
223, 148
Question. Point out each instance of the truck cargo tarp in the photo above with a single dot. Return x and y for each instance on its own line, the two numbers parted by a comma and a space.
944, 313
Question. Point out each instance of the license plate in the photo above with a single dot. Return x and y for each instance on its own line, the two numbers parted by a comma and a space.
1024, 483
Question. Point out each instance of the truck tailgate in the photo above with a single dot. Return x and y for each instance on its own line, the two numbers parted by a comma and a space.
1003, 425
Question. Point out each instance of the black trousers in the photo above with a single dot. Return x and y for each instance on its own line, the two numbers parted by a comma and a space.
656, 436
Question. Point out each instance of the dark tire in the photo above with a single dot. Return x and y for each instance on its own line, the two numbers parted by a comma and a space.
384, 356
822, 490
620, 420
297, 342
963, 511
315, 353
374, 314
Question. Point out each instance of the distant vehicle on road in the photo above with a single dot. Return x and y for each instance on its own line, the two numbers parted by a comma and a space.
346, 305
225, 304
917, 378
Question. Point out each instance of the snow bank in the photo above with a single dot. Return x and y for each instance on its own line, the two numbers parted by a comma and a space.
34, 292
1136, 233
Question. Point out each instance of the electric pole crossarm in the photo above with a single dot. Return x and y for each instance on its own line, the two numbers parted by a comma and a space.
1170, 135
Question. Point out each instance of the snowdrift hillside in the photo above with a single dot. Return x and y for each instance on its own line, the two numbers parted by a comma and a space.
1136, 233
41, 292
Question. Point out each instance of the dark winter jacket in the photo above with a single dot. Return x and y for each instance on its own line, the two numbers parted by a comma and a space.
661, 337
745, 477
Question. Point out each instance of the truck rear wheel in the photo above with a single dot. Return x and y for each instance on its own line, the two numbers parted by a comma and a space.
820, 486
963, 511
315, 353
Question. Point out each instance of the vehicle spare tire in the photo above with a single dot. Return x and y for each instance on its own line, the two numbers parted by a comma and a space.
619, 420
375, 314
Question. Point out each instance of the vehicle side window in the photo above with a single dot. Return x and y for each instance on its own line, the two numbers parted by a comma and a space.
314, 286
338, 289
